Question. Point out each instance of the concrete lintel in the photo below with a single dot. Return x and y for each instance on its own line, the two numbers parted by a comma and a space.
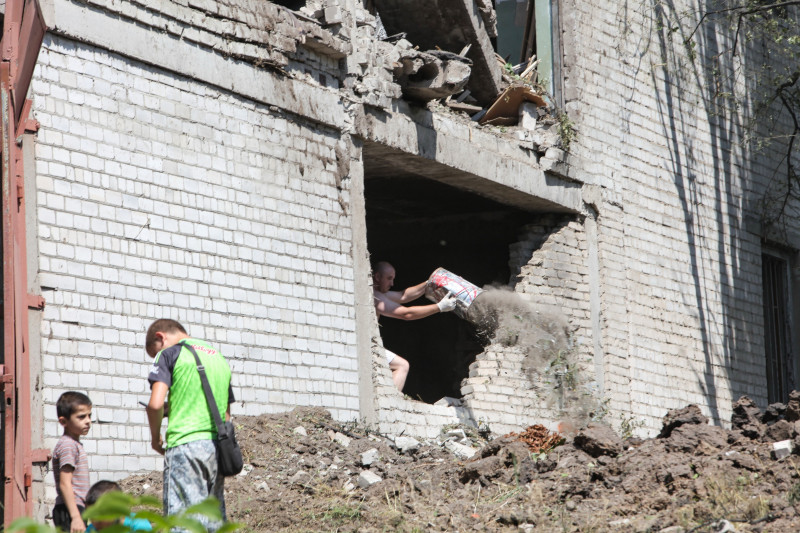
459, 155
98, 28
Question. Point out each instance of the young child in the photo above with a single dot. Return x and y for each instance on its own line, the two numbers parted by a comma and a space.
97, 490
70, 464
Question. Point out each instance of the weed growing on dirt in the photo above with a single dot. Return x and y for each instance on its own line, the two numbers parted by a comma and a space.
628, 426
794, 494
341, 513
726, 497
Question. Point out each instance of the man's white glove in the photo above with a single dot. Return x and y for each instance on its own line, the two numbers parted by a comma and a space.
448, 303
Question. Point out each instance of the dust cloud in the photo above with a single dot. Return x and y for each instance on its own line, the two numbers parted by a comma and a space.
504, 320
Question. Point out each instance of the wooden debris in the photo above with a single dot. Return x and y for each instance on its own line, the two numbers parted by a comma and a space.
505, 110
461, 106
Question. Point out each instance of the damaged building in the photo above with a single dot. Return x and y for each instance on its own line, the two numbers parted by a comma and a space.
238, 164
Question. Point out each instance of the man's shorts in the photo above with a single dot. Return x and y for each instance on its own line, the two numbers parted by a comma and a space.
389, 355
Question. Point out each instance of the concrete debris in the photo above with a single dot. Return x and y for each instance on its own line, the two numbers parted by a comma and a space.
782, 449
369, 456
450, 402
459, 450
340, 438
300, 430
489, 16
366, 479
451, 25
648, 485
431, 75
723, 526
456, 433
528, 115
542, 139
406, 444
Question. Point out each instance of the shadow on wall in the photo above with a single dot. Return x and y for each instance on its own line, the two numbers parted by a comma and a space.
712, 208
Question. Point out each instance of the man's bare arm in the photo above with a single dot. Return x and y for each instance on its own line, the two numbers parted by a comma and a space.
408, 295
392, 309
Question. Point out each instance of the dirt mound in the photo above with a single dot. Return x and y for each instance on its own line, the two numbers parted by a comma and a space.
306, 472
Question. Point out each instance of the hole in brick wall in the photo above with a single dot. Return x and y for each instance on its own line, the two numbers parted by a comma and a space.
291, 4
419, 224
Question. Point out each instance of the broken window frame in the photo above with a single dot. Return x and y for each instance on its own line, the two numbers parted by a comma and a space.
542, 36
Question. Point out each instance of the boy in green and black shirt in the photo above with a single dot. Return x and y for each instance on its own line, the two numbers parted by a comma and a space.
190, 461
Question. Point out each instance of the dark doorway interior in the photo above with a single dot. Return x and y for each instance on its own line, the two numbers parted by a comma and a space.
418, 225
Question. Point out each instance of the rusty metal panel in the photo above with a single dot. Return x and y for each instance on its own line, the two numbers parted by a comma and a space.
31, 35
23, 32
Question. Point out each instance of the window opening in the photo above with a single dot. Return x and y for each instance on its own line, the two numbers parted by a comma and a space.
524, 30
418, 225
777, 345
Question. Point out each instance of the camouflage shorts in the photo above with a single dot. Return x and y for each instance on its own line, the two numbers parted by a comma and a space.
191, 476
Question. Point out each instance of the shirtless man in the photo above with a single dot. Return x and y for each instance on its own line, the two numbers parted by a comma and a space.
389, 303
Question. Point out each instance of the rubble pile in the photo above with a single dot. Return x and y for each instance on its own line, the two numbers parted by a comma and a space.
306, 472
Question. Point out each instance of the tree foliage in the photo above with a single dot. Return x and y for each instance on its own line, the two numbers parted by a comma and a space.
766, 47
115, 506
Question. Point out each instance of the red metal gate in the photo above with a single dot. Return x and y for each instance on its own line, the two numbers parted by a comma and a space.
23, 32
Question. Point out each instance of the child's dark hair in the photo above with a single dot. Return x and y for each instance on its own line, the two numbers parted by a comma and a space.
100, 488
164, 325
69, 402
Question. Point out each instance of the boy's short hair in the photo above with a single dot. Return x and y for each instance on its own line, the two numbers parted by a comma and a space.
69, 402
164, 325
100, 488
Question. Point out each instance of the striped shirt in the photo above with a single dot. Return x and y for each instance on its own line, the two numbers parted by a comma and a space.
70, 452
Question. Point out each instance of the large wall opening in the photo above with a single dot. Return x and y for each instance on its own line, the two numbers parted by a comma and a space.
418, 225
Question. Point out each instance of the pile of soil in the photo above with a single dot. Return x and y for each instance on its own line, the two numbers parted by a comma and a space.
306, 473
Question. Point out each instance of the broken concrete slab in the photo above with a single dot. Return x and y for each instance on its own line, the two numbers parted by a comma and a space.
460, 450
366, 479
369, 456
782, 449
449, 25
431, 75
407, 444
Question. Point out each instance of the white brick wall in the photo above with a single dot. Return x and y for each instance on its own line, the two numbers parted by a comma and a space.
158, 196
681, 277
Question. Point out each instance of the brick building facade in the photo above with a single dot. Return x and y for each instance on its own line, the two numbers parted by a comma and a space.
236, 164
